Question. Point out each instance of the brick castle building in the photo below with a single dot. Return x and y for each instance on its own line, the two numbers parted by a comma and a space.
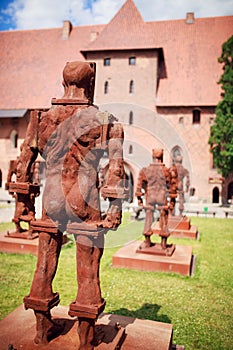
158, 78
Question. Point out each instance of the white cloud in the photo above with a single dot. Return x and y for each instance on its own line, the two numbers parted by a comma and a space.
32, 14
170, 9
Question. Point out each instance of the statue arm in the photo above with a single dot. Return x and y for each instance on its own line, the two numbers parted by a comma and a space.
115, 185
29, 150
187, 180
141, 185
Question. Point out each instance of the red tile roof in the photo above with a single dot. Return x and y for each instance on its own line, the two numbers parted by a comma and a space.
31, 61
31, 64
127, 30
191, 54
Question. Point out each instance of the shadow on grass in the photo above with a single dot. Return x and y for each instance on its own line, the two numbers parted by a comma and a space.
146, 311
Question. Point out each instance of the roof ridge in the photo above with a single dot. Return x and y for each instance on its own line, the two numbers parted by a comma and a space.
129, 5
126, 22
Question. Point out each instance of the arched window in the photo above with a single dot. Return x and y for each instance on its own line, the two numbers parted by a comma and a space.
192, 191
130, 117
130, 149
196, 116
14, 139
176, 151
181, 120
106, 87
131, 86
230, 192
215, 195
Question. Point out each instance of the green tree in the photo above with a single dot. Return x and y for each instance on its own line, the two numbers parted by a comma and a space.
221, 132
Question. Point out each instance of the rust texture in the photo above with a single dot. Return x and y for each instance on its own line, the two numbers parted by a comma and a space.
158, 184
24, 194
182, 174
72, 137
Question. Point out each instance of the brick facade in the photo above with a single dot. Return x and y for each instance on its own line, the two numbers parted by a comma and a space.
165, 98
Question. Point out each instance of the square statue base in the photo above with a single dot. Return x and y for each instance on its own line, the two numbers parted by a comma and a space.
20, 245
179, 227
181, 261
19, 328
9, 243
22, 235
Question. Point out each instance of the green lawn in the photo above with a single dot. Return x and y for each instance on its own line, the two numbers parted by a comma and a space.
199, 307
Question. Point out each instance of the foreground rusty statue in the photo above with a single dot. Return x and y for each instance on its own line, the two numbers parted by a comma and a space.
72, 136
157, 183
182, 174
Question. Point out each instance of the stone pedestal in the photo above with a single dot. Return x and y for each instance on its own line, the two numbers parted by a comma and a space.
18, 245
22, 235
156, 249
179, 227
181, 261
117, 332
21, 245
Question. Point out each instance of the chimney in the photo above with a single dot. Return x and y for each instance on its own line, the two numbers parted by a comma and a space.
66, 29
189, 18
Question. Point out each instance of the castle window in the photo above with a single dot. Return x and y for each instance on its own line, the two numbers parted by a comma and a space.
130, 118
192, 192
211, 120
131, 86
196, 116
107, 61
106, 87
176, 151
181, 120
132, 61
14, 139
130, 149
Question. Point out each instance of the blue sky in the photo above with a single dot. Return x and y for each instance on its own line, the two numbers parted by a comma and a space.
35, 14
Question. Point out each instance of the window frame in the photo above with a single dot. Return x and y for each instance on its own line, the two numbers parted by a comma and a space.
131, 86
107, 62
196, 116
132, 60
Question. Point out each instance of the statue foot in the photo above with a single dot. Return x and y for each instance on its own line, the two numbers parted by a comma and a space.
46, 328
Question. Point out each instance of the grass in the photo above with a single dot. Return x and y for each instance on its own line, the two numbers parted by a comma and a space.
199, 307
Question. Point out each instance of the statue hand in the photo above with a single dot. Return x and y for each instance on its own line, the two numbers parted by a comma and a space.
113, 217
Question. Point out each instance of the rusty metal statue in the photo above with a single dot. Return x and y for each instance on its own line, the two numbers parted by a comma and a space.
72, 136
24, 194
173, 189
154, 182
182, 174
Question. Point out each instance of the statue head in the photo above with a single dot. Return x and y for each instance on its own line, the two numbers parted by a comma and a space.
178, 160
157, 153
79, 80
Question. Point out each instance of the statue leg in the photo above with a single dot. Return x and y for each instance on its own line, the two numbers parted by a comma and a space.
89, 303
181, 202
147, 227
163, 222
41, 298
